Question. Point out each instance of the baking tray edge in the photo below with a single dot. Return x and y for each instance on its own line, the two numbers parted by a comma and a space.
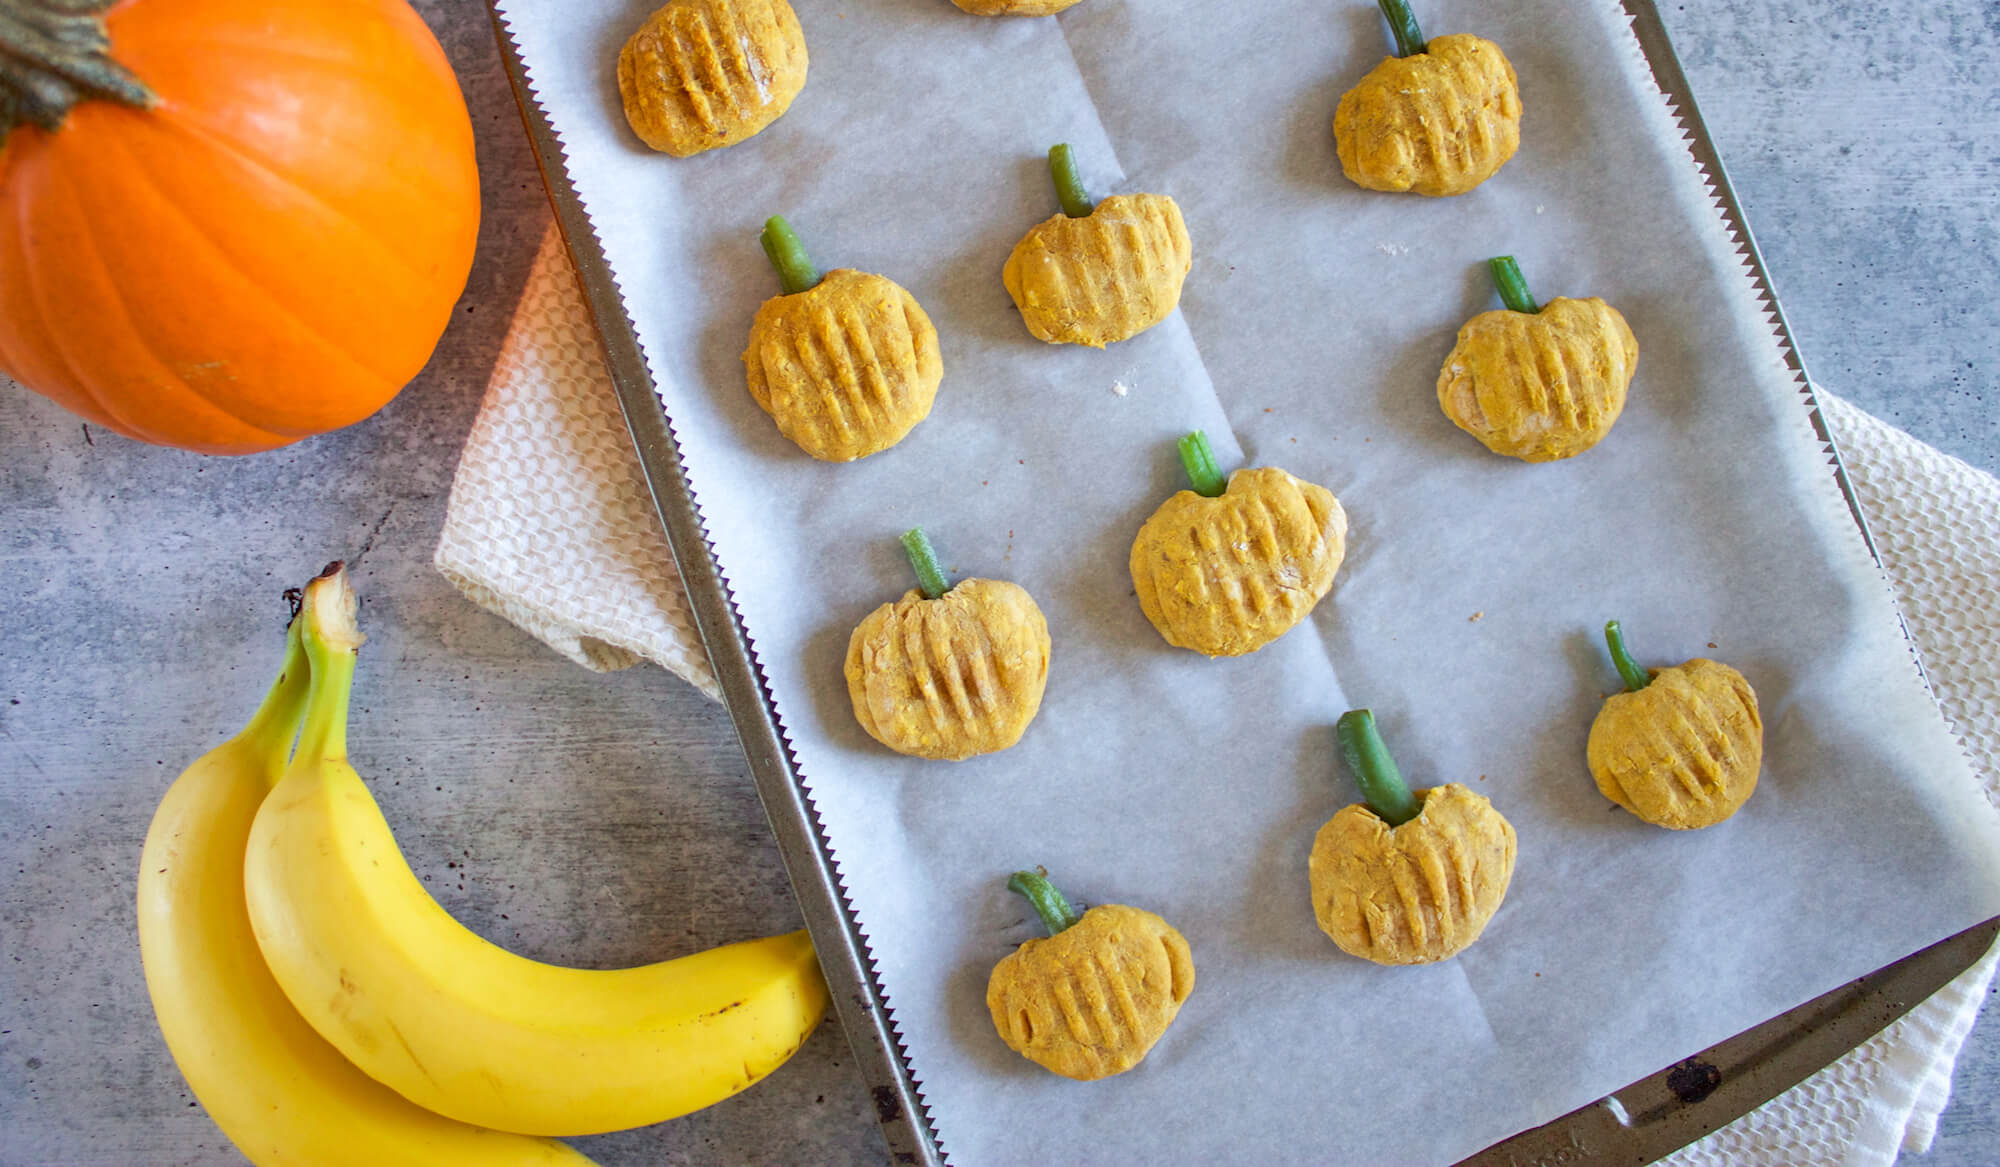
1647, 1119
857, 997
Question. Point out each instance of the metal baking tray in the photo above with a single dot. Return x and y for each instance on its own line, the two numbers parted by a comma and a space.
1642, 1122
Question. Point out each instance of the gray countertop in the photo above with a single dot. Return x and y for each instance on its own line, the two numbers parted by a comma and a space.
608, 819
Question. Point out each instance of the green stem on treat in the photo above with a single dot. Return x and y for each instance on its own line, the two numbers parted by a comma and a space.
1382, 785
1049, 903
1635, 677
1069, 187
796, 272
931, 579
1512, 284
1198, 459
1403, 23
55, 54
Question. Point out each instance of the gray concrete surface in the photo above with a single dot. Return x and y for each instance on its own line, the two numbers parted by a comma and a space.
600, 819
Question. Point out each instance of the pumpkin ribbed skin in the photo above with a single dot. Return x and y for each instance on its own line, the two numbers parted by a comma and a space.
270, 252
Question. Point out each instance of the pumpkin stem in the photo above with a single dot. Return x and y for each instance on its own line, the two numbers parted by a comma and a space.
54, 54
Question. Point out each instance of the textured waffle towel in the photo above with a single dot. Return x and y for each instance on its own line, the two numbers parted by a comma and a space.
551, 525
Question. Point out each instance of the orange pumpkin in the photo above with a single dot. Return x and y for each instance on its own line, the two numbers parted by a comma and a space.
262, 243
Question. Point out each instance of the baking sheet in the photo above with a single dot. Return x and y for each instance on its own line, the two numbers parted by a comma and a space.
1193, 787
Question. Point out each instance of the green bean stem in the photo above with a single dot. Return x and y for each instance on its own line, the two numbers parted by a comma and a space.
1198, 459
1382, 785
796, 272
1635, 677
1069, 187
1513, 286
1403, 23
1049, 903
931, 579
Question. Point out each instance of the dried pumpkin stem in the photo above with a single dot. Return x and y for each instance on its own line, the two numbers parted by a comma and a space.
1403, 24
1049, 903
796, 272
1198, 459
1069, 186
1512, 285
54, 54
1382, 785
1635, 677
931, 579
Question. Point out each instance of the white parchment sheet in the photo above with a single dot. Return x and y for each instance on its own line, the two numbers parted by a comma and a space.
1467, 614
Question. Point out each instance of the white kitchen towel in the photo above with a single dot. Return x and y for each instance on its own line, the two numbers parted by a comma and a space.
551, 526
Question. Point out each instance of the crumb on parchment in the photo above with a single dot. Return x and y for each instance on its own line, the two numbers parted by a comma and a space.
1475, 618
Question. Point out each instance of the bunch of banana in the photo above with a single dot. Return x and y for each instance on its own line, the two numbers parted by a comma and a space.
327, 1011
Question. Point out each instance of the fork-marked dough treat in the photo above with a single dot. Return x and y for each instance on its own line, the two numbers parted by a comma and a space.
1437, 118
948, 672
1538, 383
1682, 747
1227, 573
846, 364
1092, 998
1096, 275
706, 73
1407, 877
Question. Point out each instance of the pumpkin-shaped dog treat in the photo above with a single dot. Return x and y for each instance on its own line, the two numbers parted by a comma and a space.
705, 73
1406, 877
846, 363
1091, 999
1096, 275
1538, 383
1013, 7
947, 671
1437, 119
1225, 570
1682, 746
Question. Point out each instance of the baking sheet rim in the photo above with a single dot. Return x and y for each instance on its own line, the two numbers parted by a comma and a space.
858, 997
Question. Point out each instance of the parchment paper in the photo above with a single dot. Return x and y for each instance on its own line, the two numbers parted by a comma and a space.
1467, 613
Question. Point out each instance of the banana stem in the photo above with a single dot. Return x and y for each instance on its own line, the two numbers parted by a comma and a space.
330, 638
1049, 903
271, 729
1635, 678
1382, 785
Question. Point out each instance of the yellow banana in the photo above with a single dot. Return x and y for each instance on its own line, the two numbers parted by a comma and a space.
276, 1088
460, 1025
